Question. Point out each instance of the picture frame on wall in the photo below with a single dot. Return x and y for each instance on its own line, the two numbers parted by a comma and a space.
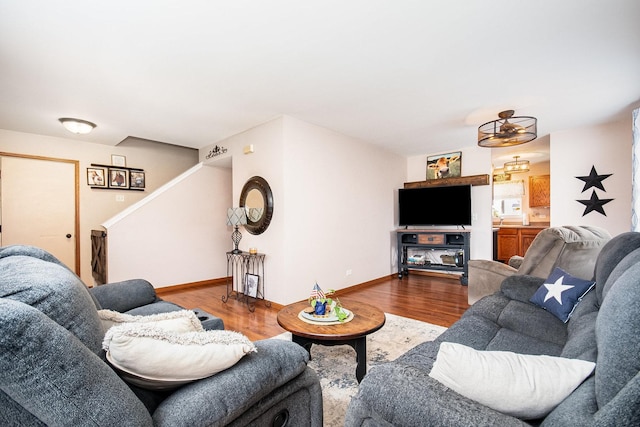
117, 160
95, 177
448, 165
251, 285
118, 178
136, 179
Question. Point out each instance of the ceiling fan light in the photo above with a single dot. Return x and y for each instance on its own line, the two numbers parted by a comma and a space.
517, 166
505, 133
77, 126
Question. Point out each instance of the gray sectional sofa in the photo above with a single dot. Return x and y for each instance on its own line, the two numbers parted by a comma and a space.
53, 370
604, 328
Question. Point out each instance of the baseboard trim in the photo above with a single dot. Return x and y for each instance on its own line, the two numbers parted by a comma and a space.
200, 284
166, 290
366, 284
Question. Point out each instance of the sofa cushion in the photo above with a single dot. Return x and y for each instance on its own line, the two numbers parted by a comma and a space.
48, 372
610, 256
35, 278
524, 386
151, 357
618, 339
581, 330
499, 323
520, 316
561, 293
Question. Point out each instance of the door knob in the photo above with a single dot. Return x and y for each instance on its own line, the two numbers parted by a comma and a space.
68, 236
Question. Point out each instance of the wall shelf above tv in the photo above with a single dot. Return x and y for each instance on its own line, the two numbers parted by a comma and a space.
448, 182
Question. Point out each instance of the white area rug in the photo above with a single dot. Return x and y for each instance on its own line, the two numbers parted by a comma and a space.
336, 366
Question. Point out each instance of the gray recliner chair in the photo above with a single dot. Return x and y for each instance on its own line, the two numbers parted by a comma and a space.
572, 248
54, 372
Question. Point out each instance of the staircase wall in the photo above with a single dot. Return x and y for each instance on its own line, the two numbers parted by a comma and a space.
177, 234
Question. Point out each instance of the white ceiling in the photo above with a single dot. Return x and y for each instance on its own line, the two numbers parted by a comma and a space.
415, 76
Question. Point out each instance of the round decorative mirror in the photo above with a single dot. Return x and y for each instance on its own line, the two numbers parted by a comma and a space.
257, 198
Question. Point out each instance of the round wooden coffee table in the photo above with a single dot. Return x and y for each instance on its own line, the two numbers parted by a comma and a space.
367, 319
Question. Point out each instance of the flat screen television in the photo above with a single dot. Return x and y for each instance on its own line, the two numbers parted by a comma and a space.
435, 205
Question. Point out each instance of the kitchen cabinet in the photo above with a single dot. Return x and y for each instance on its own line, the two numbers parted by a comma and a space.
540, 191
515, 240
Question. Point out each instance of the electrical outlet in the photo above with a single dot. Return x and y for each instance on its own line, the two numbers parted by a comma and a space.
349, 272
119, 198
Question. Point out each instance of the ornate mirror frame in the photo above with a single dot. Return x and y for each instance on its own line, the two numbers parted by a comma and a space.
262, 186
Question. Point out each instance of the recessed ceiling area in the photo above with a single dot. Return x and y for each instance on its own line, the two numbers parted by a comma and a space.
414, 77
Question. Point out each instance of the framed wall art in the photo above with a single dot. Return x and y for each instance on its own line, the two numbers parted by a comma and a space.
95, 177
137, 179
120, 161
447, 165
118, 178
109, 177
251, 285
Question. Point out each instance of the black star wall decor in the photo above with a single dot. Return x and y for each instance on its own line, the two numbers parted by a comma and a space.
594, 203
593, 180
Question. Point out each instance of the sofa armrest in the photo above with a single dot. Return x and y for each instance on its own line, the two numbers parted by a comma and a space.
516, 261
220, 399
521, 287
485, 277
124, 296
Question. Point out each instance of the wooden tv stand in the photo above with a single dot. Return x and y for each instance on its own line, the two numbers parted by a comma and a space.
434, 249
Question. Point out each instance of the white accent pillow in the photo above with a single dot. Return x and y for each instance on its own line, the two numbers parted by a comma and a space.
178, 321
521, 385
160, 359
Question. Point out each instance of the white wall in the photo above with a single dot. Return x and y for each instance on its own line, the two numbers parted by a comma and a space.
475, 161
334, 205
161, 163
176, 237
266, 161
340, 209
608, 147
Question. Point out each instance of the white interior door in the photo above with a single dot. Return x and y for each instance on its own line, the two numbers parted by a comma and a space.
39, 205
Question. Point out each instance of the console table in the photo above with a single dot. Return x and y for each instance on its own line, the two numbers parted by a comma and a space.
245, 278
434, 250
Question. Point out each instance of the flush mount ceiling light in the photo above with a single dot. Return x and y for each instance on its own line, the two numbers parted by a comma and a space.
517, 166
76, 125
508, 130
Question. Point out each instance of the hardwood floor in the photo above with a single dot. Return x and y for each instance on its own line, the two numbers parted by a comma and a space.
439, 300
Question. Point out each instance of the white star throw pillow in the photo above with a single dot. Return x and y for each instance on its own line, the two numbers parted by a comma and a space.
555, 289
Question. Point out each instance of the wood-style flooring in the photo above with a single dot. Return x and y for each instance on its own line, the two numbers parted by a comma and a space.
439, 300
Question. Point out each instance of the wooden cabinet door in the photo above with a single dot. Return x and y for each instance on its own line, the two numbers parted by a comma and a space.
526, 238
539, 191
508, 243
